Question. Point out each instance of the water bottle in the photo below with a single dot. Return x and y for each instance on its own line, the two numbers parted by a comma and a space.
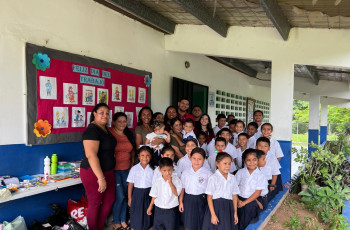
46, 168
53, 164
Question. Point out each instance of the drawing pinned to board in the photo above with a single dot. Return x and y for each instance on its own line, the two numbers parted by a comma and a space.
60, 117
48, 88
70, 93
130, 119
88, 95
137, 113
116, 92
118, 109
78, 117
88, 115
142, 95
102, 96
131, 94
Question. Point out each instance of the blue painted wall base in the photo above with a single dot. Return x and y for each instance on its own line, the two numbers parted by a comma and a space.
323, 134
19, 160
313, 137
285, 162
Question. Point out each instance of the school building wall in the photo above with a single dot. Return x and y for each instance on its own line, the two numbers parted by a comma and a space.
87, 28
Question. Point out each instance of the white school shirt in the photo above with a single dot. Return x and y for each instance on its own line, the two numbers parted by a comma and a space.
185, 163
185, 135
275, 148
252, 142
265, 191
212, 163
204, 147
220, 187
151, 136
211, 147
216, 129
165, 198
258, 133
249, 183
157, 173
239, 154
272, 166
140, 177
195, 183
235, 138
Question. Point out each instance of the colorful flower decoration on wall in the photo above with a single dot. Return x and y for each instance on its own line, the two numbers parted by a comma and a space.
42, 128
147, 81
41, 61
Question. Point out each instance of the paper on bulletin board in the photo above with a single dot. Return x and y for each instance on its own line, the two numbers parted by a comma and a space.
78, 117
48, 88
130, 119
70, 93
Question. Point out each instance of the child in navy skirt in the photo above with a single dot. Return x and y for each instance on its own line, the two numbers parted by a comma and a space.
140, 183
251, 182
192, 200
222, 190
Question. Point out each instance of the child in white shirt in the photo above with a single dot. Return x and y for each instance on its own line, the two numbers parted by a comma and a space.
187, 131
164, 193
240, 126
275, 148
221, 193
202, 140
242, 143
169, 152
251, 182
258, 117
221, 120
251, 131
140, 182
193, 202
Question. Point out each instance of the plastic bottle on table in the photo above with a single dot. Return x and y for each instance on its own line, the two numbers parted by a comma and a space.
53, 164
46, 168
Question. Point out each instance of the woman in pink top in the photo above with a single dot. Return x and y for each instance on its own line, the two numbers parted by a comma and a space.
124, 153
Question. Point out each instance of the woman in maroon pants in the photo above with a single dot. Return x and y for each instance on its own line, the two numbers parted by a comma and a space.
97, 167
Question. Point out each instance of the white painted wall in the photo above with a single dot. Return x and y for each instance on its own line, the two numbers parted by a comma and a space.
88, 28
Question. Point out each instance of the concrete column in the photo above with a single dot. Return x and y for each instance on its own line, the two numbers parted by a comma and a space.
282, 88
324, 123
314, 118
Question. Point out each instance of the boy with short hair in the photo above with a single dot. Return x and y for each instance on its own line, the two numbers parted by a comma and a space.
169, 152
271, 169
258, 117
252, 128
242, 143
164, 192
221, 120
187, 131
202, 141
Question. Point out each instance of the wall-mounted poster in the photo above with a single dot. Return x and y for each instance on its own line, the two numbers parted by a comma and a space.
137, 113
130, 119
211, 100
78, 117
48, 88
116, 92
88, 95
142, 95
118, 109
74, 84
131, 94
250, 110
102, 96
70, 93
60, 117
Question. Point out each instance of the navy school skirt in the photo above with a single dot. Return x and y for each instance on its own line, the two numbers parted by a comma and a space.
248, 214
264, 201
194, 210
224, 211
139, 220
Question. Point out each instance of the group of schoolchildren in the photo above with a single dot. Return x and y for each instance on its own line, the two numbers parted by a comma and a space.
223, 184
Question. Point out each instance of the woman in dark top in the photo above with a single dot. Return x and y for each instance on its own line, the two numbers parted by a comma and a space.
97, 167
205, 126
170, 113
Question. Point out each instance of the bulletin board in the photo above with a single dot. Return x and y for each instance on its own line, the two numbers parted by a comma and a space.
63, 88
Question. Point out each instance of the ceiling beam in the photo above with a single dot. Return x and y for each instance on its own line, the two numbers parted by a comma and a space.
202, 13
274, 12
136, 10
237, 65
311, 71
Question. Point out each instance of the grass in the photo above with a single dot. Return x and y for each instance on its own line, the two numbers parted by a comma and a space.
302, 139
